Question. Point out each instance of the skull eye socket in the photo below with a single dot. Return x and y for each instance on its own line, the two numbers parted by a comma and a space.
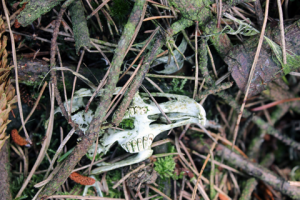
84, 126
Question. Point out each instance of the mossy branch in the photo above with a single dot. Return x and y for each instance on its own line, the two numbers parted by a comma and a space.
80, 28
93, 131
34, 9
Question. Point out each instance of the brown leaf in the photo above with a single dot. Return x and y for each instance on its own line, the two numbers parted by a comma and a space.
240, 59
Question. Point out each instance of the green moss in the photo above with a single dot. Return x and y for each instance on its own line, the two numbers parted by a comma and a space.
165, 167
112, 177
178, 86
127, 124
296, 175
120, 10
34, 9
80, 29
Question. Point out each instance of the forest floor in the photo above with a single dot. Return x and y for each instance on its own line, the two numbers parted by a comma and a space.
211, 87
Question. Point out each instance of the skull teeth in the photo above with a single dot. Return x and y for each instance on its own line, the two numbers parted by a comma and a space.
140, 144
135, 146
151, 137
146, 143
129, 147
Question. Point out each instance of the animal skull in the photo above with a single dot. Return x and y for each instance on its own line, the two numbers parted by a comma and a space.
148, 123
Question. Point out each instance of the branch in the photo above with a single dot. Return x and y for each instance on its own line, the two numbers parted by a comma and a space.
251, 168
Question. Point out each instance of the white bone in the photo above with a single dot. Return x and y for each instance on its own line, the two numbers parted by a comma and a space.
129, 161
181, 111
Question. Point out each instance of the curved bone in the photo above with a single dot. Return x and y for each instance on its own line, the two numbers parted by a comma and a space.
129, 161
96, 185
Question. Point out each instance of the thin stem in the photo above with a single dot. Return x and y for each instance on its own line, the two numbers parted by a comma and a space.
16, 71
281, 31
196, 61
251, 72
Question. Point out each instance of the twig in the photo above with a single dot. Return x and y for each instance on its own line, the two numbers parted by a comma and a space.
110, 44
275, 103
137, 82
122, 91
219, 13
101, 84
52, 65
31, 37
35, 104
74, 81
140, 53
137, 28
282, 37
224, 140
223, 181
196, 61
60, 148
45, 144
181, 188
253, 169
212, 59
127, 175
94, 156
286, 3
109, 19
184, 131
157, 105
101, 52
261, 38
211, 175
159, 192
170, 76
25, 173
97, 9
260, 122
63, 79
79, 197
219, 164
188, 154
157, 17
258, 12
16, 71
97, 16
214, 89
202, 169
203, 62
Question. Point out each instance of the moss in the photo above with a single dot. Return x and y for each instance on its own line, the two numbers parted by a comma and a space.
120, 10
34, 9
127, 124
81, 31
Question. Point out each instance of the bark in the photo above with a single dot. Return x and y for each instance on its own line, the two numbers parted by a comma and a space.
248, 189
119, 114
33, 72
5, 192
80, 28
34, 9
